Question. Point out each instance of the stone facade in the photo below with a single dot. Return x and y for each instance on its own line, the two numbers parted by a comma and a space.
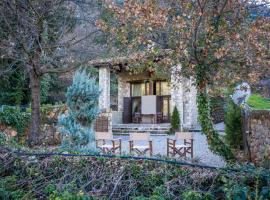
123, 89
183, 95
258, 135
104, 85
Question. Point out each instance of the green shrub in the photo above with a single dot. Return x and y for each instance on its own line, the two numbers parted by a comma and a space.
175, 119
82, 178
233, 125
256, 101
8, 189
68, 196
14, 117
6, 140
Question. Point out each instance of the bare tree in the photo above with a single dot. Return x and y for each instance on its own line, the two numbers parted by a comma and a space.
214, 40
46, 36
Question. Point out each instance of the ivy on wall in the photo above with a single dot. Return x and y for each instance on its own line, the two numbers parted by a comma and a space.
204, 109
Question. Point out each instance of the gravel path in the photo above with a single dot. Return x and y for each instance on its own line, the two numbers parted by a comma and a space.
202, 154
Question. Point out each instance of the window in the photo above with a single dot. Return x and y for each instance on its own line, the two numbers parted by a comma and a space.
140, 89
163, 88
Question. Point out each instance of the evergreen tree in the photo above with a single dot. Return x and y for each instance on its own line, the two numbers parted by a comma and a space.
82, 102
233, 125
175, 120
13, 86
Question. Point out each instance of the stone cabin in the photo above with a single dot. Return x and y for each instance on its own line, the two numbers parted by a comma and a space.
144, 101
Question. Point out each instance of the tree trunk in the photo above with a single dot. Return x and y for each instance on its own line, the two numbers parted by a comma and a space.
35, 108
215, 143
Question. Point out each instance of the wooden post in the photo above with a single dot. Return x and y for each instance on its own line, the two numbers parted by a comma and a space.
151, 148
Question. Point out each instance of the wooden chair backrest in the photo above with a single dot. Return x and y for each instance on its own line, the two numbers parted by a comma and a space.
103, 136
140, 136
183, 135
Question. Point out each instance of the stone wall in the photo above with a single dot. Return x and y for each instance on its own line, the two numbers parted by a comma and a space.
49, 119
49, 134
183, 94
123, 89
105, 117
104, 85
117, 117
217, 109
258, 135
177, 93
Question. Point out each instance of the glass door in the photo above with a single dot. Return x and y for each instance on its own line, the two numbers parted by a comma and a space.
166, 101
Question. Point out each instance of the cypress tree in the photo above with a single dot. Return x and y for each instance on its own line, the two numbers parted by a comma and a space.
82, 102
175, 120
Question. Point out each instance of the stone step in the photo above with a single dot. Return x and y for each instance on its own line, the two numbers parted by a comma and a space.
152, 128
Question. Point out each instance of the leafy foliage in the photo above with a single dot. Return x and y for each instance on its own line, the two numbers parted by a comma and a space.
256, 101
82, 102
175, 119
15, 118
14, 87
215, 143
99, 178
206, 37
45, 85
233, 125
50, 45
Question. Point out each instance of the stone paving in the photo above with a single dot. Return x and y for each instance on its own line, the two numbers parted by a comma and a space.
202, 154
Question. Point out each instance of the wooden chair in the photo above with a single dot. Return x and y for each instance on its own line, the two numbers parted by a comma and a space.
140, 149
137, 118
105, 142
180, 149
159, 117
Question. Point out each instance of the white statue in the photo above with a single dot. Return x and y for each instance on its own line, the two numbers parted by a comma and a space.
241, 93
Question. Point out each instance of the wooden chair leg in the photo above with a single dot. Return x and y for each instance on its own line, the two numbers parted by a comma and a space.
120, 146
174, 152
113, 148
151, 148
191, 148
168, 150
130, 146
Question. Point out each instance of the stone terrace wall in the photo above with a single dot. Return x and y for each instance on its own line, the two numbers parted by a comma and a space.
217, 109
49, 134
258, 135
49, 119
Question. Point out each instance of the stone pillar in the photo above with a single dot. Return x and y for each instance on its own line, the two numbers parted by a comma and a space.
183, 95
123, 90
104, 85
193, 104
191, 110
177, 91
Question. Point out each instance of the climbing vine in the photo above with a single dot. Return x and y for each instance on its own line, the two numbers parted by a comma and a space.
204, 109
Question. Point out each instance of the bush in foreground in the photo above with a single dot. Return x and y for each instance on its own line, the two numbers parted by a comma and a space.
100, 178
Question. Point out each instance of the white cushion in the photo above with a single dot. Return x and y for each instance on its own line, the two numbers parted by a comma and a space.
140, 147
181, 146
106, 146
